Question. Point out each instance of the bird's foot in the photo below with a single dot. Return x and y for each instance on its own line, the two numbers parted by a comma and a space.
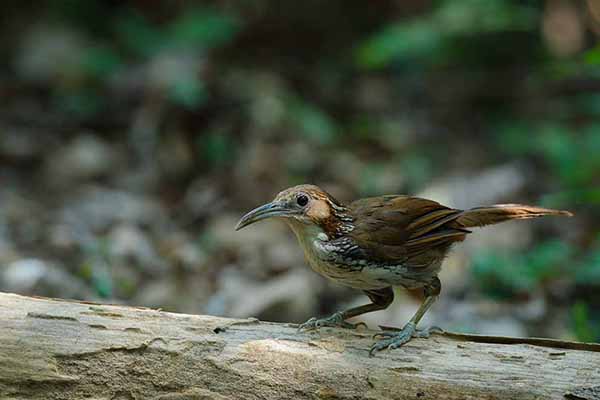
393, 340
335, 320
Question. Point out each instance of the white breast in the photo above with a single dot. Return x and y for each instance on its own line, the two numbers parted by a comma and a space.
313, 241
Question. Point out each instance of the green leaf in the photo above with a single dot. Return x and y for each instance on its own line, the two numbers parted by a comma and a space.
203, 28
592, 57
217, 148
584, 331
418, 38
139, 35
103, 285
101, 61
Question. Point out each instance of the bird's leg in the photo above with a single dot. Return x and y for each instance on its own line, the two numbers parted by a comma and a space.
380, 298
392, 340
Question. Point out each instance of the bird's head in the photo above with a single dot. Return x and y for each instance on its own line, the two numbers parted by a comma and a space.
300, 205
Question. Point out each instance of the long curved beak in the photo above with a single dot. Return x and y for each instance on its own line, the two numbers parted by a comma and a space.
272, 209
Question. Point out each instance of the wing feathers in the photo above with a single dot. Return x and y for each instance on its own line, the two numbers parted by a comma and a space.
421, 226
400, 228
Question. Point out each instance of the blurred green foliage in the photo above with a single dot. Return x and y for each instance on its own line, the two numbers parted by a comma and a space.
571, 155
217, 148
588, 270
433, 38
312, 122
197, 29
506, 275
131, 38
194, 31
586, 328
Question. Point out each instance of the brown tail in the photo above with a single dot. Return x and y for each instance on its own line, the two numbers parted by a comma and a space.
481, 216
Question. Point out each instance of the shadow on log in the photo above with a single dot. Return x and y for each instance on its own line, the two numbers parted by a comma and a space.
57, 349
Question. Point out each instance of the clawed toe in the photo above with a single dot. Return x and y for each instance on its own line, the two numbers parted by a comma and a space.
425, 333
336, 320
384, 334
393, 340
309, 325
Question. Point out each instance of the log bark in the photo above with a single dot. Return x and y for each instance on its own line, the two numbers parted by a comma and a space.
58, 349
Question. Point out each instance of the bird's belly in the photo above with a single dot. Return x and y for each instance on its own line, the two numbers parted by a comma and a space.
372, 276
362, 274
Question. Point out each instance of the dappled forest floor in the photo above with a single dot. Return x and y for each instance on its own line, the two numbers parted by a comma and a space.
134, 135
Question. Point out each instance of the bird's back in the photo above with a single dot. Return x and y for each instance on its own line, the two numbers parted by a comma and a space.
403, 228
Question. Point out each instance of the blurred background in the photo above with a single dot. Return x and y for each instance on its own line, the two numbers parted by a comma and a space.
134, 134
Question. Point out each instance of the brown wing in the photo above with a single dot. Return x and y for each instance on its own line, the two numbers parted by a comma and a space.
404, 229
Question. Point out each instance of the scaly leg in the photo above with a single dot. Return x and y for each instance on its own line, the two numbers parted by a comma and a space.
381, 299
393, 340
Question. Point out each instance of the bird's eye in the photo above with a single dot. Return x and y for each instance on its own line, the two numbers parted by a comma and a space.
302, 200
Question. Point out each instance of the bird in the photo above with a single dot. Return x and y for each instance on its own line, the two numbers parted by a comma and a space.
378, 243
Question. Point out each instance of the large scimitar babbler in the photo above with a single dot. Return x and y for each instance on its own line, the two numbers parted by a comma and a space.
376, 243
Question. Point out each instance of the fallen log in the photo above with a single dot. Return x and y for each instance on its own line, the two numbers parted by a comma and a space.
59, 349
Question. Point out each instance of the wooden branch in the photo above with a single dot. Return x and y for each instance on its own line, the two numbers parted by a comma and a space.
57, 349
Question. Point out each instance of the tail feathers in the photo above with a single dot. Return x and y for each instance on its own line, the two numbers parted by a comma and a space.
481, 216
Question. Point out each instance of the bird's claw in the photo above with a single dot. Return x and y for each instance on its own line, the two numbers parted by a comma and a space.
418, 333
393, 340
335, 320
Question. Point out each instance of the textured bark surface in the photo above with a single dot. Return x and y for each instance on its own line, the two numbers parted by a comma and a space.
55, 349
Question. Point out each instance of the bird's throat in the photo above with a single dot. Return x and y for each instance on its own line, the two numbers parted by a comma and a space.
311, 238
307, 232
